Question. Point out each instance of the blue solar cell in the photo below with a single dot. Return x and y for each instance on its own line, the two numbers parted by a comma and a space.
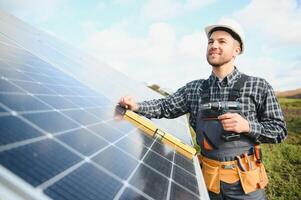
5, 86
184, 178
57, 102
22, 102
12, 74
141, 138
42, 78
184, 163
38, 162
100, 100
83, 141
121, 125
2, 110
84, 91
150, 182
135, 149
158, 162
103, 113
163, 150
81, 116
178, 193
51, 122
33, 87
60, 89
80, 101
109, 133
116, 161
12, 129
87, 182
130, 194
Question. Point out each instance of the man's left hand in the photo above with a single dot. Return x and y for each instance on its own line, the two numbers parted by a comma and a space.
234, 122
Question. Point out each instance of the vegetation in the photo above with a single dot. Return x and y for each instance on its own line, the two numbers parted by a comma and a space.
283, 161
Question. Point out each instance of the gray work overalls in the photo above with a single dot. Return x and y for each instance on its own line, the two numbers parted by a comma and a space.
211, 131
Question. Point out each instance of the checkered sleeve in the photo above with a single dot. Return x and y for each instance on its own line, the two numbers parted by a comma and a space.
172, 106
270, 126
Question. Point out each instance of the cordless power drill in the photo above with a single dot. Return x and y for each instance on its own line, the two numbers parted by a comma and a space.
211, 111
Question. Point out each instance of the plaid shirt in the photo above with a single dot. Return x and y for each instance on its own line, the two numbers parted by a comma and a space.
259, 105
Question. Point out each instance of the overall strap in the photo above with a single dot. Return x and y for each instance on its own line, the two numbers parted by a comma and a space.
205, 96
238, 85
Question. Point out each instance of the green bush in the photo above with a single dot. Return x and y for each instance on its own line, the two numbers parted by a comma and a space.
283, 161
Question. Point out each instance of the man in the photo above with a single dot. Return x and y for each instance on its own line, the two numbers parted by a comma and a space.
230, 156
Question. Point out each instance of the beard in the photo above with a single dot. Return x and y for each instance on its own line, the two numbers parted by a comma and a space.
217, 62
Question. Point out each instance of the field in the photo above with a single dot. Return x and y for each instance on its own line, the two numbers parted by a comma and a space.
283, 161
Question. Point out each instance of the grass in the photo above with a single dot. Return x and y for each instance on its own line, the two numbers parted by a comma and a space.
283, 161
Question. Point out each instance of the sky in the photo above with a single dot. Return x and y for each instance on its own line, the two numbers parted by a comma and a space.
163, 41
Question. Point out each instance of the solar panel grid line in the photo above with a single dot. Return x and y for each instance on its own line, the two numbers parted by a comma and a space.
14, 145
169, 179
131, 175
85, 159
11, 74
59, 176
15, 83
97, 135
158, 155
58, 94
22, 143
144, 195
47, 135
64, 71
185, 189
100, 166
150, 128
45, 59
64, 173
54, 93
58, 111
188, 172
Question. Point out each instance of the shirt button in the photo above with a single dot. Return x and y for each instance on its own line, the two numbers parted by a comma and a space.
223, 84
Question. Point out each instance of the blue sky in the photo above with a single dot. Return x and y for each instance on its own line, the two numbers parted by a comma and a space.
163, 42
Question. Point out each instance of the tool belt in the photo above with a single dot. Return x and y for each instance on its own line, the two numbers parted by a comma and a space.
246, 169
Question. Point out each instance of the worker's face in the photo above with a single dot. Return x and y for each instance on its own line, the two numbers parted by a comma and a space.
221, 49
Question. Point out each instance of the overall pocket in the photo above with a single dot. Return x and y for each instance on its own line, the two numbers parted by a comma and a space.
211, 177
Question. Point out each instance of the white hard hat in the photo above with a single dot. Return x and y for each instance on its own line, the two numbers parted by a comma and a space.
232, 26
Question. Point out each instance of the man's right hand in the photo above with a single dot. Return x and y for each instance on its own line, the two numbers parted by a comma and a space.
128, 102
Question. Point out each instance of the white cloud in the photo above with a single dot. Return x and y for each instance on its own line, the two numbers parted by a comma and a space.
282, 76
278, 20
34, 10
166, 9
159, 57
89, 26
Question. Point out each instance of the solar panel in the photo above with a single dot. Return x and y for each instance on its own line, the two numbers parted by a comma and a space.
62, 137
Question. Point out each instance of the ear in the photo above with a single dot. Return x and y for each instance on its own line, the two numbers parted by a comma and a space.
237, 51
236, 48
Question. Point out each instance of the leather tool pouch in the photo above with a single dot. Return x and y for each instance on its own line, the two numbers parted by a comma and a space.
253, 179
212, 177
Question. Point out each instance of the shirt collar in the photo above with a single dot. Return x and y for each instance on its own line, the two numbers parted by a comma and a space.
228, 79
